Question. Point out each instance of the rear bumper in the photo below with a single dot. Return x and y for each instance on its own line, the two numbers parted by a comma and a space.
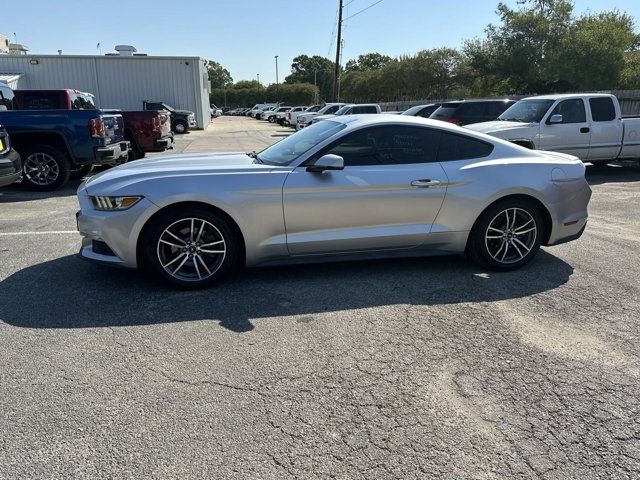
115, 152
10, 168
162, 144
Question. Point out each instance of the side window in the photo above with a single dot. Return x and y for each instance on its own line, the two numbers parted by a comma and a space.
332, 109
391, 145
494, 109
602, 109
572, 111
6, 98
471, 110
426, 112
367, 109
461, 147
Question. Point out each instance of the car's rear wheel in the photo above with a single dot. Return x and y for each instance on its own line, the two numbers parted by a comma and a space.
44, 168
507, 235
192, 248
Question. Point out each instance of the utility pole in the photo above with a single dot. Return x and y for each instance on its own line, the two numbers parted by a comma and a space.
277, 83
336, 77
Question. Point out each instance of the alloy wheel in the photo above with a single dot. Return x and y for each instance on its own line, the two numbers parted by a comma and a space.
41, 169
511, 235
191, 249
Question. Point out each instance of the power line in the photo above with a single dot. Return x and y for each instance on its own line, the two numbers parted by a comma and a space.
363, 10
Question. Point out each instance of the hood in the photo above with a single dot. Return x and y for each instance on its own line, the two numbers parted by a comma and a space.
498, 126
117, 179
183, 112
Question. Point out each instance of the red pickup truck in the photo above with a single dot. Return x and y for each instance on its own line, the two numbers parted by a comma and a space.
148, 131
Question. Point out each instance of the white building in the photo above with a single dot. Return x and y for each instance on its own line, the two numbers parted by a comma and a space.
120, 80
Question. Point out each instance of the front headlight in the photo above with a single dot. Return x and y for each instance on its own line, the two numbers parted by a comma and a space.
111, 204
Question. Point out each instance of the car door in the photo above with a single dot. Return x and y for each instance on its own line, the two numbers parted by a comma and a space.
387, 196
606, 129
572, 135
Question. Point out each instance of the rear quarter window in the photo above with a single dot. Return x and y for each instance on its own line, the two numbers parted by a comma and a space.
602, 109
460, 147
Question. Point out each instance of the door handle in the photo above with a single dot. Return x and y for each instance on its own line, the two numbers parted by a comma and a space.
425, 182
584, 130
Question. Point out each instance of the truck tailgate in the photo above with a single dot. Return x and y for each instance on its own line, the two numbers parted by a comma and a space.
113, 127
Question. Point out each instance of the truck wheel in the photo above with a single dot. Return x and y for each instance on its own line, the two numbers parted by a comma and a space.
44, 168
80, 171
180, 127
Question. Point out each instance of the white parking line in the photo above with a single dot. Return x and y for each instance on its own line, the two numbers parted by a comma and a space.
52, 232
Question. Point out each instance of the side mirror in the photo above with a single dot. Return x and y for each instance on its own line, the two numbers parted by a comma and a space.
327, 162
557, 118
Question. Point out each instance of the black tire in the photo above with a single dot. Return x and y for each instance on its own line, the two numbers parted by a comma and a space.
271, 119
180, 127
135, 153
480, 247
177, 220
80, 171
38, 153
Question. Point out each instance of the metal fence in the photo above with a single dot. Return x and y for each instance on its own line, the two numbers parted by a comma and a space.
629, 101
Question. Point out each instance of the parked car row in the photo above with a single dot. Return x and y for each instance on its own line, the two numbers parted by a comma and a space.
75, 135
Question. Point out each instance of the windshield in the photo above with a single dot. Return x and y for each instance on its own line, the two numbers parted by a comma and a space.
526, 111
286, 151
167, 107
343, 110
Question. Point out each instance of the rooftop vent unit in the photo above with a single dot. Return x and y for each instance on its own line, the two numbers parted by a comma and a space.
18, 49
125, 50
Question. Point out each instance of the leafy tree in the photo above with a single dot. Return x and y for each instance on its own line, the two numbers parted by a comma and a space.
304, 69
519, 55
630, 75
218, 75
368, 61
591, 55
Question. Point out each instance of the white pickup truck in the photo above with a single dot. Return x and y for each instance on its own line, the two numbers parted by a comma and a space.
589, 126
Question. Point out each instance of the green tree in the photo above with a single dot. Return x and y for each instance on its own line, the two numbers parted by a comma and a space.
304, 69
368, 61
630, 75
591, 55
519, 55
218, 75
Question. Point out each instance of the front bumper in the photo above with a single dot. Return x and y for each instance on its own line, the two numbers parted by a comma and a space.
115, 152
10, 168
118, 231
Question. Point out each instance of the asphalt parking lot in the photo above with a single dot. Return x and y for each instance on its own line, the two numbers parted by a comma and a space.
427, 368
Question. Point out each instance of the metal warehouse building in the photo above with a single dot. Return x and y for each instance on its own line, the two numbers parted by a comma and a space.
117, 81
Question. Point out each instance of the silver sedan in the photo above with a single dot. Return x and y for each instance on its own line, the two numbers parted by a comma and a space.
353, 187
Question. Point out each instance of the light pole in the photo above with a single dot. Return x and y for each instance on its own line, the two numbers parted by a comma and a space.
277, 84
258, 75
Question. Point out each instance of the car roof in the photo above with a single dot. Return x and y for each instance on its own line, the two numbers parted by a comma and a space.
479, 100
556, 96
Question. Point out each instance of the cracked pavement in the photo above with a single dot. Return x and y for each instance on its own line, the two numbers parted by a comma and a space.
417, 368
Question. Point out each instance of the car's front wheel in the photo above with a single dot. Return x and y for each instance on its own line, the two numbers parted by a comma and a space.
507, 235
180, 127
192, 248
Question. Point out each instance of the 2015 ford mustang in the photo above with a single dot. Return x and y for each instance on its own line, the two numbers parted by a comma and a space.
348, 188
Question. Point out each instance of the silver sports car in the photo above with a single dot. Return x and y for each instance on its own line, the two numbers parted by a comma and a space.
350, 188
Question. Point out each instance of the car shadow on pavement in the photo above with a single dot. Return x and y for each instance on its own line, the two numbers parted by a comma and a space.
19, 193
612, 174
71, 293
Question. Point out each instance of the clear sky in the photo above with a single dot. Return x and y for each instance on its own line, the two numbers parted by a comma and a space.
245, 35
